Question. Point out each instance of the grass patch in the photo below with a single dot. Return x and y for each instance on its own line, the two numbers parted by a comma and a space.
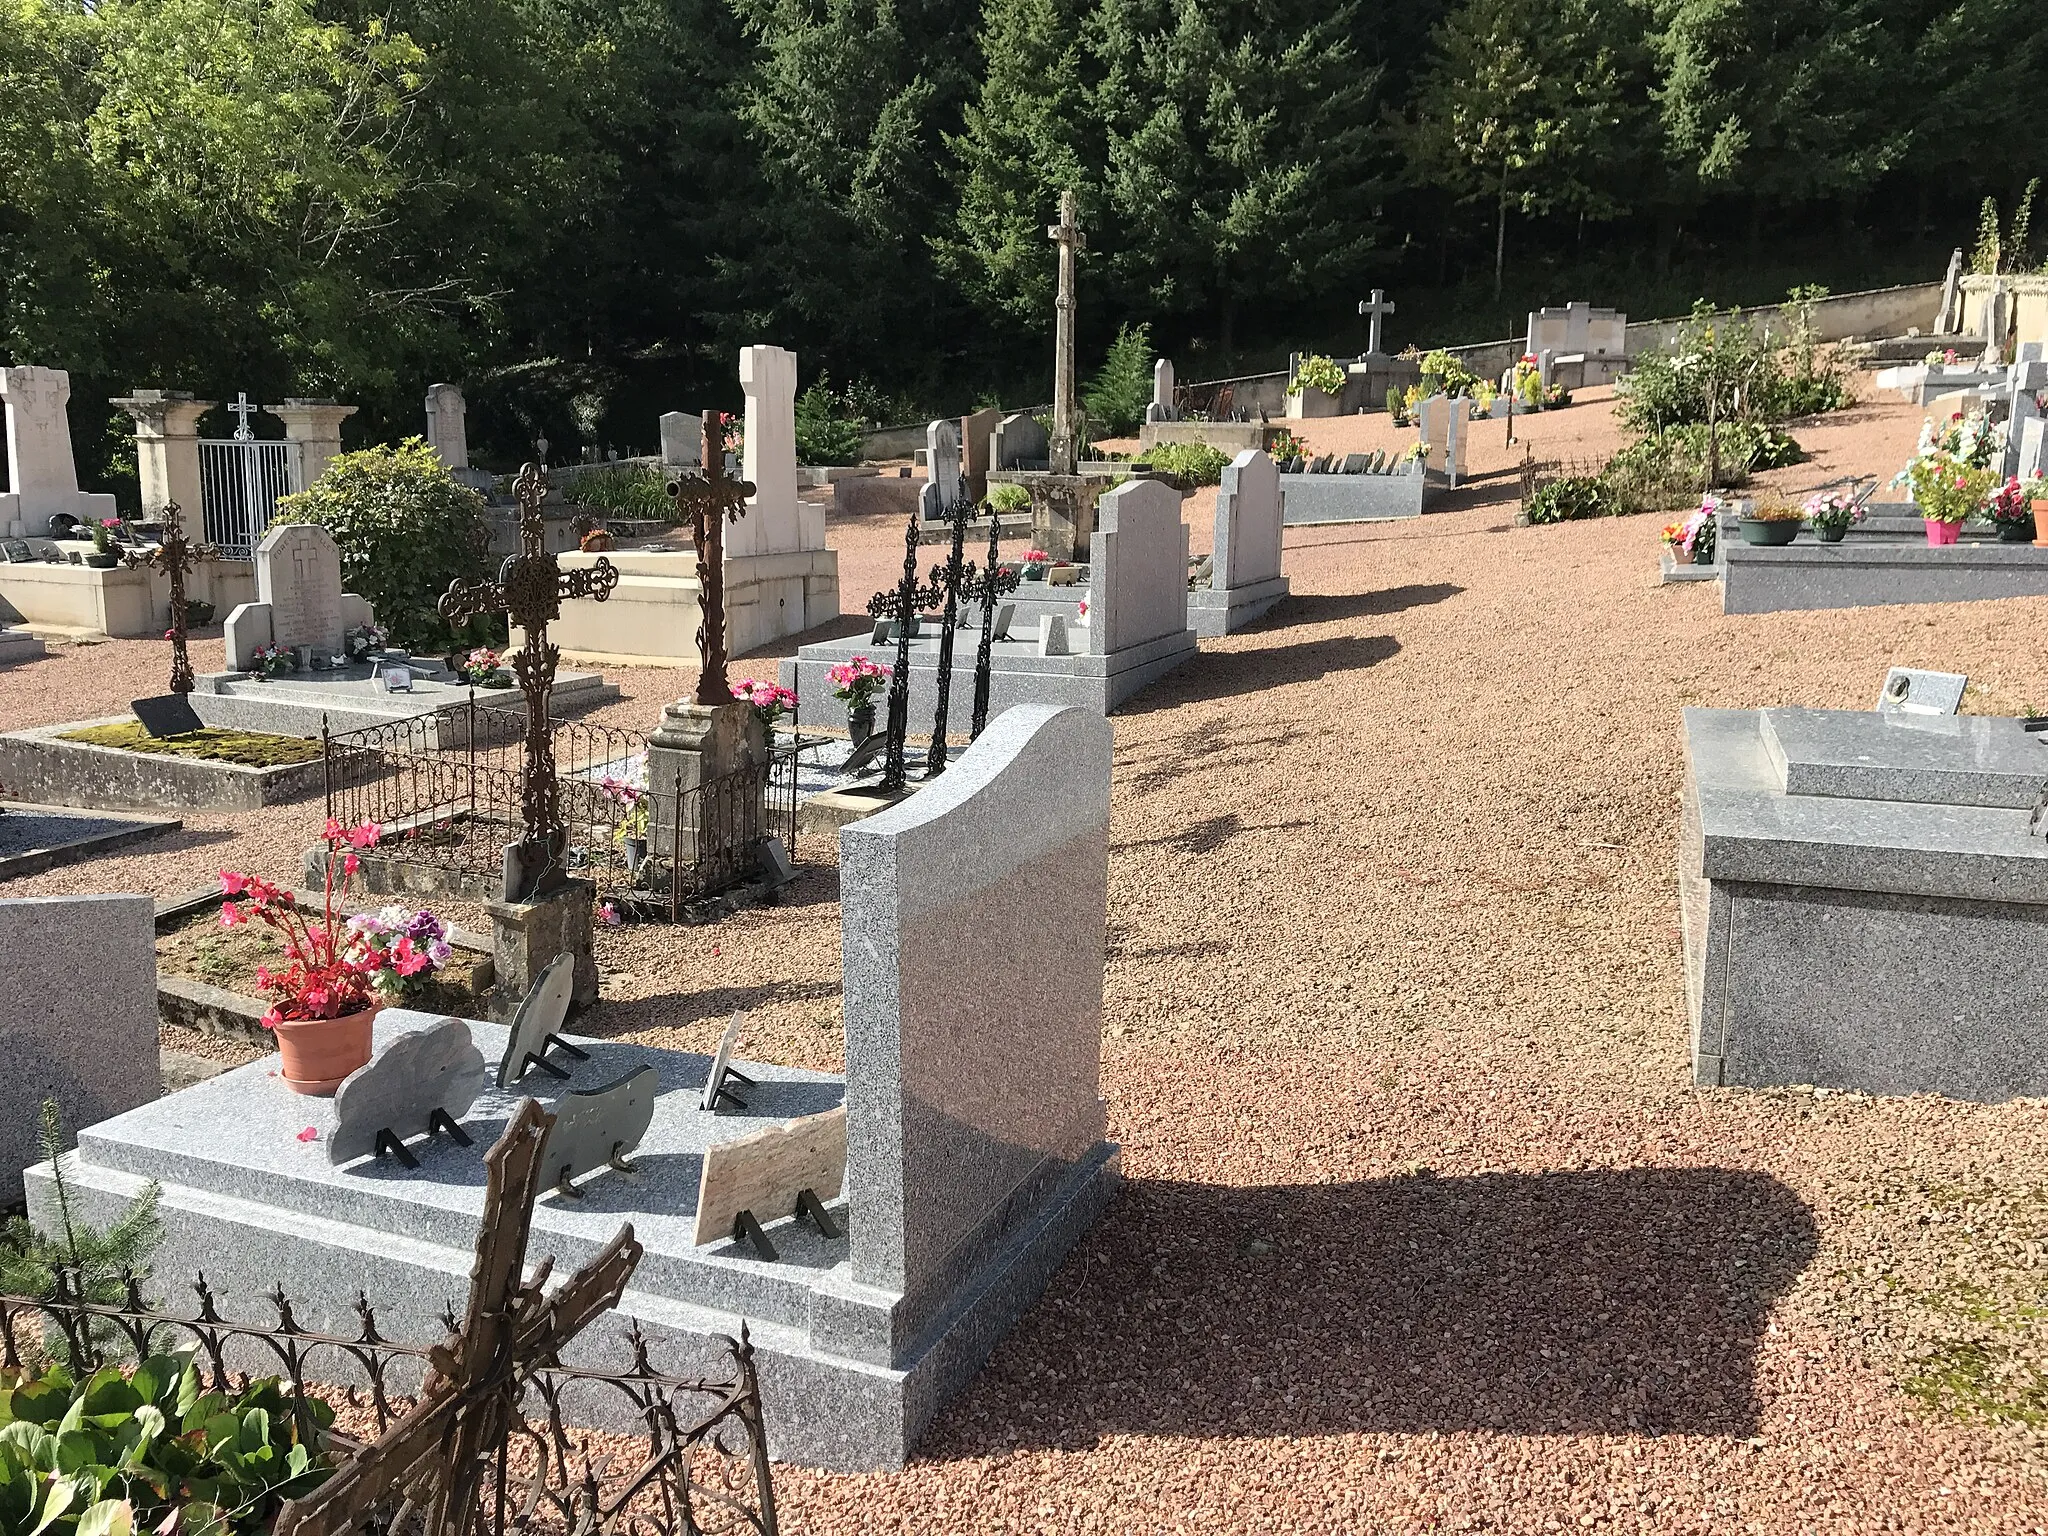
250, 749
199, 949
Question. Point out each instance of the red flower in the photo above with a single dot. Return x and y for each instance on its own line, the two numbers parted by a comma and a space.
231, 915
350, 864
309, 1134
233, 884
333, 832
364, 836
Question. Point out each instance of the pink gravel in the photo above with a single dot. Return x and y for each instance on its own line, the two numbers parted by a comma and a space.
1426, 1227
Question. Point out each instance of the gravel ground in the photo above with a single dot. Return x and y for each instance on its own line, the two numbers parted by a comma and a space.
1426, 1228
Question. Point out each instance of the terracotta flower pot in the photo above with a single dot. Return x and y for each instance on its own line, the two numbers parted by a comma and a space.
2040, 522
1680, 555
1939, 532
319, 1053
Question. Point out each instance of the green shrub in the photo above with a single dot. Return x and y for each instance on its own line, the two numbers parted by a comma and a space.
1118, 394
1567, 500
1443, 374
629, 490
1397, 402
1742, 372
1008, 497
98, 1259
829, 428
1317, 372
1195, 463
405, 530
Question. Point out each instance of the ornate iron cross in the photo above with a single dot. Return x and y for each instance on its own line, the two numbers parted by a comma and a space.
529, 590
437, 1455
997, 582
950, 581
710, 502
175, 556
903, 604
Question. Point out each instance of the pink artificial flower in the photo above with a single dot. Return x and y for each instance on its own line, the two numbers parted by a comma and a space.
350, 863
273, 1018
406, 960
365, 836
333, 834
309, 1134
263, 978
232, 884
232, 916
608, 914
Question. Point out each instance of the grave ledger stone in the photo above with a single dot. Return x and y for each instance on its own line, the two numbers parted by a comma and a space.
1245, 579
84, 1035
299, 600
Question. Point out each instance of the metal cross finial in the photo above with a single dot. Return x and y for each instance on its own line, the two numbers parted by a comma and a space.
1377, 307
175, 556
242, 410
529, 591
708, 504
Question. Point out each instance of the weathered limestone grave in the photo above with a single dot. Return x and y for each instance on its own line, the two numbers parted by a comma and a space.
1578, 345
974, 1150
82, 1034
682, 438
1861, 899
448, 434
42, 476
1244, 578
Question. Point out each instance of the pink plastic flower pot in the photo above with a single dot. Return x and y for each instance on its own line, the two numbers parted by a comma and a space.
1939, 532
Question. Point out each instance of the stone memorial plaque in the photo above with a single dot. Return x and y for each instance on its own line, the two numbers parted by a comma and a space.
542, 1013
298, 573
396, 679
168, 714
1910, 691
721, 1067
764, 1173
599, 1127
16, 551
400, 1088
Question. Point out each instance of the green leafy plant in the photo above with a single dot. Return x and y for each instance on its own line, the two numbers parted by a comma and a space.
1008, 496
1118, 394
1567, 499
829, 428
1443, 374
98, 1260
1196, 463
405, 529
1397, 403
1284, 446
1319, 373
629, 490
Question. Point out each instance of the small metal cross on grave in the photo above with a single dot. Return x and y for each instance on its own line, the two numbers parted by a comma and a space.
708, 503
438, 1456
242, 410
903, 605
529, 591
949, 583
1377, 307
175, 556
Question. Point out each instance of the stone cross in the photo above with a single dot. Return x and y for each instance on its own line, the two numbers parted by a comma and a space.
242, 410
529, 589
708, 503
1065, 452
1375, 309
175, 556
437, 1456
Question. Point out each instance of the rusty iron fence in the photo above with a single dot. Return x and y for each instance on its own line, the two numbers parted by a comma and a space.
585, 1452
445, 790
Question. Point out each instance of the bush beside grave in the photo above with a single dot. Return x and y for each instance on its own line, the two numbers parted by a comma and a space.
630, 490
1118, 394
405, 529
1195, 463
829, 427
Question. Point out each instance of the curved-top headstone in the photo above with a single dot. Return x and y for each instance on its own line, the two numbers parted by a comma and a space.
298, 574
542, 1012
401, 1086
942, 452
1248, 522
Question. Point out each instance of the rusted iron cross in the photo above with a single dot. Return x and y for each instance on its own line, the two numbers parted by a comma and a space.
438, 1455
529, 590
708, 503
176, 556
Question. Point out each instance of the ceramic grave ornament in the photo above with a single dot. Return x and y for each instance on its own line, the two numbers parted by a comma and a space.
419, 1084
596, 1129
536, 1026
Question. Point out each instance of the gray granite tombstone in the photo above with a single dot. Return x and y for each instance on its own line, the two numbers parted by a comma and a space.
1139, 568
1244, 573
538, 1023
1909, 691
974, 1114
597, 1127
1019, 442
942, 456
400, 1089
82, 1034
682, 437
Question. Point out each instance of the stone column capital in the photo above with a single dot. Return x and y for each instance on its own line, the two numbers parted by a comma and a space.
164, 413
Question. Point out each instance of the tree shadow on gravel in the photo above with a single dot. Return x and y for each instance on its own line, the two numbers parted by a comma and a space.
1555, 1303
1325, 607
1229, 674
672, 1010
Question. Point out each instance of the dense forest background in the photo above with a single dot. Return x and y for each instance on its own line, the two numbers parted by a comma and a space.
579, 209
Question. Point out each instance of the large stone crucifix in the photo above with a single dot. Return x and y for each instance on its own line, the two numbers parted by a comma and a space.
708, 503
175, 556
529, 590
1376, 308
1064, 454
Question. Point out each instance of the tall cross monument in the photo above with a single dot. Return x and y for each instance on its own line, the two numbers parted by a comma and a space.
1064, 455
706, 504
1375, 309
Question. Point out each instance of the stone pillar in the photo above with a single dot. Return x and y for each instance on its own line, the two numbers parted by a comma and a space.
975, 432
768, 375
447, 425
694, 744
167, 448
315, 425
527, 935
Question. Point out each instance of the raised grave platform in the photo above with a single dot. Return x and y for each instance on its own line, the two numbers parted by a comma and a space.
351, 699
36, 765
1868, 572
1353, 498
1862, 903
34, 837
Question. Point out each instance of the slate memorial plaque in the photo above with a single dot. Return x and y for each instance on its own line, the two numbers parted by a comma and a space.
168, 714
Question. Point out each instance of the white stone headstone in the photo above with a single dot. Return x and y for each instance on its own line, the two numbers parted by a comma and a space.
1162, 392
942, 457
1138, 584
771, 525
447, 425
298, 574
682, 438
42, 478
1248, 522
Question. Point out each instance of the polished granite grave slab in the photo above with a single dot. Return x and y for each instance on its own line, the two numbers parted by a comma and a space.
1883, 944
350, 698
1868, 572
1986, 760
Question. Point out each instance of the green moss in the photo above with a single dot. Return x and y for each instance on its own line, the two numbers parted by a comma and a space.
250, 749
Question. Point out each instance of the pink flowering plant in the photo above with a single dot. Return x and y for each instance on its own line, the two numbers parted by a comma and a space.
402, 947
2010, 505
483, 668
770, 701
1832, 509
856, 682
330, 971
272, 660
628, 789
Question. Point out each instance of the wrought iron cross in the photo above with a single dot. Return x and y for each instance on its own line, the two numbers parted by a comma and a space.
175, 556
529, 590
949, 581
997, 582
242, 410
437, 1455
905, 602
710, 502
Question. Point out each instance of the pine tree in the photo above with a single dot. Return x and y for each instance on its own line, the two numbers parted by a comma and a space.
99, 1260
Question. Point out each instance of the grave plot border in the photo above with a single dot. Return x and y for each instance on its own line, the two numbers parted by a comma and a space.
35, 765
136, 829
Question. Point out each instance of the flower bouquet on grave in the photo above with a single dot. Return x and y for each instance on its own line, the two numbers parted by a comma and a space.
482, 668
855, 684
628, 790
1947, 489
1035, 562
1694, 537
103, 556
325, 1000
1529, 383
402, 947
2011, 510
1831, 513
274, 660
770, 701
362, 640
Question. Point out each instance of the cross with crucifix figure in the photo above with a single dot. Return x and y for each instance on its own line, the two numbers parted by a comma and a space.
1064, 454
175, 556
1376, 308
708, 503
437, 1456
529, 591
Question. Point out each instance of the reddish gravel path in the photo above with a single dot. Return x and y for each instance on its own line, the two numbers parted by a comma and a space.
1425, 1227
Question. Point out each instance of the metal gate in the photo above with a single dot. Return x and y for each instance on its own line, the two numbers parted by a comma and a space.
240, 480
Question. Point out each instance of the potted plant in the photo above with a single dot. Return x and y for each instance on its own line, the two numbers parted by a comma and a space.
198, 612
1035, 562
629, 790
1773, 523
362, 641
854, 684
273, 660
325, 1000
770, 701
482, 669
1950, 474
1315, 386
2012, 512
103, 557
1831, 513
2035, 488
